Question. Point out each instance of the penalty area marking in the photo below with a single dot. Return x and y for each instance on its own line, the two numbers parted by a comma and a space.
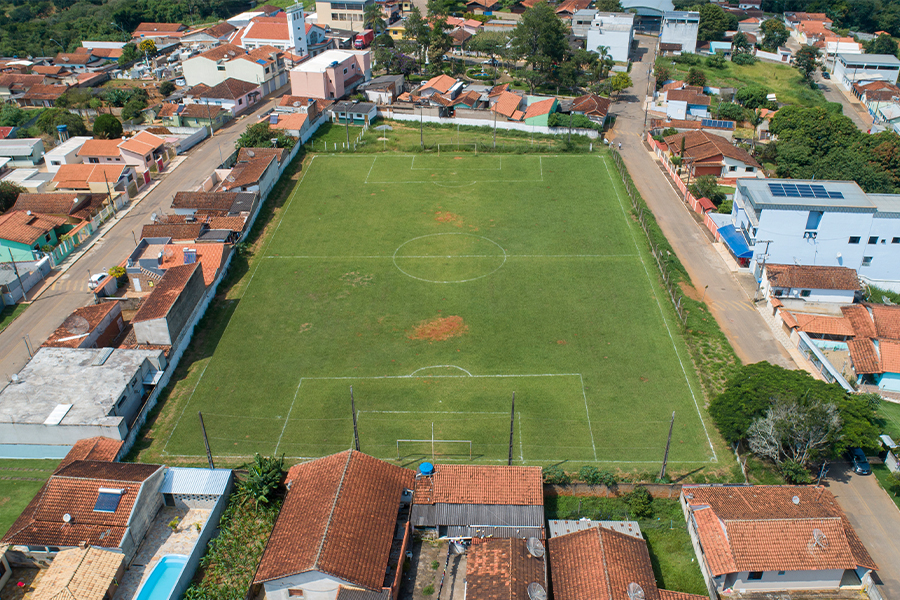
662, 313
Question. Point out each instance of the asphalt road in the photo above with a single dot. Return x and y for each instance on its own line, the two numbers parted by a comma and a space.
71, 291
742, 324
835, 93
875, 518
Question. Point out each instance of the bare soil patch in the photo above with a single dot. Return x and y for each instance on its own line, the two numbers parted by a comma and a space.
442, 216
440, 329
689, 290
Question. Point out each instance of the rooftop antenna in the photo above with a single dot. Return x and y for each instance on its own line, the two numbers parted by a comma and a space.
635, 591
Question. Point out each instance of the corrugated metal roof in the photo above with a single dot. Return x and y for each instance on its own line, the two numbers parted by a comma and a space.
196, 481
562, 527
462, 531
477, 515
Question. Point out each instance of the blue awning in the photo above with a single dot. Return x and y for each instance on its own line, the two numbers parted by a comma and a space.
735, 241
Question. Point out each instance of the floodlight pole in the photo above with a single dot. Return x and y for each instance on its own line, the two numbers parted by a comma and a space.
662, 473
355, 430
512, 418
206, 441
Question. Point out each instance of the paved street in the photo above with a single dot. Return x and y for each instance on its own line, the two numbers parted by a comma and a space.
875, 518
71, 291
748, 333
852, 107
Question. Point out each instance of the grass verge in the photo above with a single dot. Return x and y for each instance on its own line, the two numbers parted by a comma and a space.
10, 314
888, 482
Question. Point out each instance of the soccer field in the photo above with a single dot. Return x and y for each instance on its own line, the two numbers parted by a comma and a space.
438, 286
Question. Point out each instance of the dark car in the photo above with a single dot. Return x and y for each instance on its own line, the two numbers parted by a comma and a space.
860, 462
826, 74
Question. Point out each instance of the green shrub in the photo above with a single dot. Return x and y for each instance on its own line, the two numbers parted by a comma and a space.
263, 478
639, 502
556, 476
428, 590
166, 88
434, 565
795, 473
107, 127
744, 59
593, 476
687, 59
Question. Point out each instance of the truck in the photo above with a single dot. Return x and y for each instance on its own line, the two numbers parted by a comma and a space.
363, 39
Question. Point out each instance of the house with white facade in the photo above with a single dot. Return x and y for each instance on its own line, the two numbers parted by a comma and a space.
234, 95
865, 68
614, 31
704, 153
65, 154
773, 538
284, 30
263, 66
581, 22
825, 223
680, 27
681, 103
810, 283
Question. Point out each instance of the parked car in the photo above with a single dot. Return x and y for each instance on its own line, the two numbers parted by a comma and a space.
491, 62
826, 75
96, 278
180, 82
860, 462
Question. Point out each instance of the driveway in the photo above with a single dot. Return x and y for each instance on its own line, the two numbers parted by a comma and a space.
876, 519
70, 291
745, 328
853, 108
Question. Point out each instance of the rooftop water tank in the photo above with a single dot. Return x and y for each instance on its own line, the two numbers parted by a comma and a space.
426, 468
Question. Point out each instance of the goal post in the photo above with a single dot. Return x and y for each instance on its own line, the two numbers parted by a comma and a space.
432, 442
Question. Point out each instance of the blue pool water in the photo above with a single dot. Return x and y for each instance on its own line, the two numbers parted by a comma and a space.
162, 579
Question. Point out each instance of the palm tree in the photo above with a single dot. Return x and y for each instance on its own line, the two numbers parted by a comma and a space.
373, 18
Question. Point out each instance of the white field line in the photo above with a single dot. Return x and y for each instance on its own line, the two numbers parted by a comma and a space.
288, 417
252, 275
413, 166
588, 414
370, 169
428, 412
444, 256
662, 313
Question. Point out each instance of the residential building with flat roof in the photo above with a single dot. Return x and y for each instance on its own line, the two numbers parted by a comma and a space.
332, 74
680, 27
614, 31
852, 69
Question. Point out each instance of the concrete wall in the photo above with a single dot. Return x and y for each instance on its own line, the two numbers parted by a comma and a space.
389, 113
39, 270
27, 433
617, 42
164, 331
202, 70
787, 581
681, 33
144, 511
741, 169
315, 586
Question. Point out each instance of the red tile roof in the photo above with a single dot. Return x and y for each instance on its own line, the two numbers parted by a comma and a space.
481, 484
289, 121
599, 564
223, 51
571, 6
168, 109
165, 293
822, 325
860, 320
788, 318
762, 528
73, 490
230, 223
537, 109
176, 231
247, 154
441, 83
57, 203
76, 58
79, 177
220, 201
158, 28
142, 143
507, 104
812, 277
19, 226
887, 320
202, 111
82, 320
248, 173
864, 356
98, 147
230, 89
96, 449
702, 146
220, 30
890, 355
689, 96
502, 569
209, 255
45, 92
591, 105
338, 518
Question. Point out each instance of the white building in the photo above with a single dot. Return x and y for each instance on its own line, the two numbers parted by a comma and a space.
680, 27
829, 223
285, 31
615, 31
263, 66
65, 154
865, 68
581, 22
836, 285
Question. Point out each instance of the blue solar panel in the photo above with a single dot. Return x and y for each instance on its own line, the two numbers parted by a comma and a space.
776, 190
835, 195
802, 190
107, 502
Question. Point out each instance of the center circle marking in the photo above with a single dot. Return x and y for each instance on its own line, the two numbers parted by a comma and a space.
480, 237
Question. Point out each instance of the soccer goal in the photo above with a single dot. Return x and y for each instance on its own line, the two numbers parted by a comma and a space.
432, 443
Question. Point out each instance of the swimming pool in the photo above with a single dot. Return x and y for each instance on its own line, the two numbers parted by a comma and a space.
162, 579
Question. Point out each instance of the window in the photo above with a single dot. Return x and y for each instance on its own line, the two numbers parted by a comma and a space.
732, 169
814, 218
295, 593
895, 240
220, 67
751, 169
93, 160
779, 293
755, 576
854, 239
47, 238
781, 572
345, 70
107, 500
240, 101
867, 261
804, 293
873, 239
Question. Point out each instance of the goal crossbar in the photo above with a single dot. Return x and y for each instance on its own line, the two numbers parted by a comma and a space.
434, 441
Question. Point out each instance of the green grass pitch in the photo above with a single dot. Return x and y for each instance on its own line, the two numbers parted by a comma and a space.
538, 258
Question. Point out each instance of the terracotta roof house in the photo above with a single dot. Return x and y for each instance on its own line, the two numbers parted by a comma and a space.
338, 527
506, 569
507, 104
94, 326
151, 30
163, 315
773, 538
592, 106
600, 563
97, 178
42, 95
104, 504
96, 449
232, 94
481, 7
568, 8
253, 174
179, 232
82, 574
144, 151
710, 154
220, 204
539, 112
480, 501
60, 204
811, 283
440, 84
875, 347
25, 231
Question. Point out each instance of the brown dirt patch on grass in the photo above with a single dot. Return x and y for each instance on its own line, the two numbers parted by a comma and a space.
440, 329
689, 290
442, 216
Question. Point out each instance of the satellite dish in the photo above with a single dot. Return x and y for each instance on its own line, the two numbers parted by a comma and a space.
297, 103
76, 325
535, 547
819, 538
251, 153
635, 591
230, 178
154, 217
796, 500
536, 591
67, 518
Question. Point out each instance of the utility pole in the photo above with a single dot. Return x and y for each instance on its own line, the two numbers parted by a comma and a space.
421, 129
109, 193
512, 418
662, 473
347, 124
495, 130
206, 441
569, 135
355, 430
16, 271
764, 256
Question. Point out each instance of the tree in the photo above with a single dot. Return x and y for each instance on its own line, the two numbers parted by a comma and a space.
491, 43
707, 186
716, 61
714, 22
166, 88
540, 37
133, 108
11, 115
439, 44
740, 44
532, 78
263, 478
807, 61
8, 194
373, 17
731, 111
794, 430
147, 47
261, 136
775, 34
608, 6
696, 77
619, 82
753, 96
52, 117
663, 74
107, 127
883, 44
129, 54
418, 30
567, 76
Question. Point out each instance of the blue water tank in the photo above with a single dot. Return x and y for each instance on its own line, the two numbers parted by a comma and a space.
62, 128
426, 468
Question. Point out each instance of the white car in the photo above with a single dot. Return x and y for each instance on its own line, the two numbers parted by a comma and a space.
95, 280
180, 82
